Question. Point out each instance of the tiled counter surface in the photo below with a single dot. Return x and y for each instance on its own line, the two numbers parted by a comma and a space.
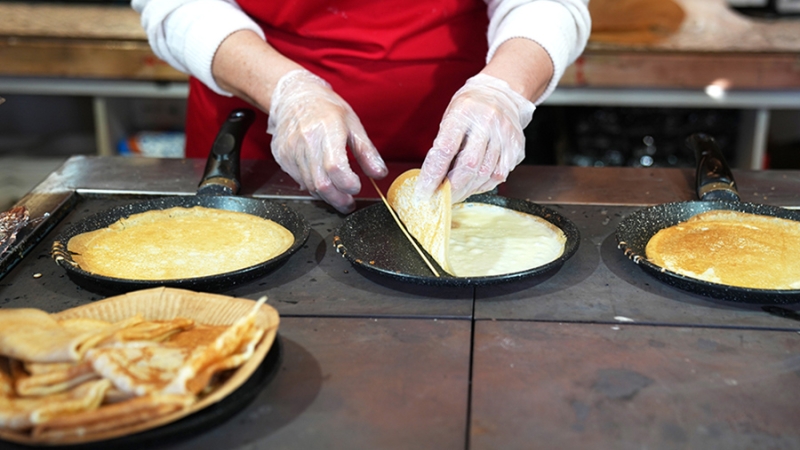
569, 385
346, 384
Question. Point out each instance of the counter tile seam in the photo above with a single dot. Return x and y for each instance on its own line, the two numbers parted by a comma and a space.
645, 324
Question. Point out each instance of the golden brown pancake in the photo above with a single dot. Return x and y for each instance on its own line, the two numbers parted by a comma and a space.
152, 330
179, 243
147, 367
33, 335
18, 413
731, 248
109, 417
49, 378
428, 221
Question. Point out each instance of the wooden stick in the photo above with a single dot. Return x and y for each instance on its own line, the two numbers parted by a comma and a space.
403, 228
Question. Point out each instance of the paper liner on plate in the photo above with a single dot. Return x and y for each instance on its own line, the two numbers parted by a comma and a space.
162, 304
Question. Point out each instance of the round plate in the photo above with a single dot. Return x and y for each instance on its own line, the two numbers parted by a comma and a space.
271, 210
206, 418
241, 387
370, 239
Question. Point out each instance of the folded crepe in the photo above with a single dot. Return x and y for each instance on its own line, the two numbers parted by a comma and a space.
144, 368
427, 220
19, 413
39, 379
111, 417
33, 335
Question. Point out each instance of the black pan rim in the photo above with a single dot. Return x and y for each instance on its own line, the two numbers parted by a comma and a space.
213, 282
571, 246
695, 285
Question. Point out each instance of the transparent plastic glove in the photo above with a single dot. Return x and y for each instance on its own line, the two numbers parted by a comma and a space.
311, 128
482, 130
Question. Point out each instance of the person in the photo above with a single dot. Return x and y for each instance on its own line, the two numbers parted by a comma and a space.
448, 83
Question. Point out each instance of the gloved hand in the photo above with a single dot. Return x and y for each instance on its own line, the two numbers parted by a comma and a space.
481, 129
311, 127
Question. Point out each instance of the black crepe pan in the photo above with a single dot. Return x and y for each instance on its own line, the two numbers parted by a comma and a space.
371, 240
216, 190
716, 190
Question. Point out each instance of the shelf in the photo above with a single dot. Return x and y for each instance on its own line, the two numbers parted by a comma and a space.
717, 58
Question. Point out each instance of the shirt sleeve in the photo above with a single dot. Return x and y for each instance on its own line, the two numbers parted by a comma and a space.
187, 33
561, 27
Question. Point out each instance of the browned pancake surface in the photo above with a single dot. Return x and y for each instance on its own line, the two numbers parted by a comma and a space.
732, 248
428, 220
179, 243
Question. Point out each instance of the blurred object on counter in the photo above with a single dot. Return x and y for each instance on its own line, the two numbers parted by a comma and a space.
641, 137
634, 21
784, 156
747, 3
783, 149
2, 100
156, 144
767, 9
11, 222
45, 126
20, 174
787, 6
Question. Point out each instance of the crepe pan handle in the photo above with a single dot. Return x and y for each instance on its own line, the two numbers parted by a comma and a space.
221, 176
714, 178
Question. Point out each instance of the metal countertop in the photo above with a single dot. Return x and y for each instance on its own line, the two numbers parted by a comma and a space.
370, 363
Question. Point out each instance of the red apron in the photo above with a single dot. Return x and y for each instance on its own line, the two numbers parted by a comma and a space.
396, 62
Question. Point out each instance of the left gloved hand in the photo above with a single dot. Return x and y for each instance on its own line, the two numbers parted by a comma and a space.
482, 130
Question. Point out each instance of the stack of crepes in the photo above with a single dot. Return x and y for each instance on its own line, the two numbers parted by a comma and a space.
66, 377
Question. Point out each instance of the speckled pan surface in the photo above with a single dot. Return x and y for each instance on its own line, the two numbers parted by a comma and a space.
371, 240
635, 231
271, 210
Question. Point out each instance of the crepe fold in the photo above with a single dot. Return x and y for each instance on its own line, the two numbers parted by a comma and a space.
427, 220
33, 335
19, 413
110, 417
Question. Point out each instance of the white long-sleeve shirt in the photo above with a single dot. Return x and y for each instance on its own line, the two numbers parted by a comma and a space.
187, 33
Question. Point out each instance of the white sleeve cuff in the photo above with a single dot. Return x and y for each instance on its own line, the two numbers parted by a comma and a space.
562, 29
196, 31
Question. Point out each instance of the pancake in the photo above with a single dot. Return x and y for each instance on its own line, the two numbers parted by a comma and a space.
19, 413
474, 239
179, 243
488, 240
731, 248
428, 220
39, 379
110, 417
33, 335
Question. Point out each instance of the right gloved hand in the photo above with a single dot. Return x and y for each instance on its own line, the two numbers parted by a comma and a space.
311, 128
481, 136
